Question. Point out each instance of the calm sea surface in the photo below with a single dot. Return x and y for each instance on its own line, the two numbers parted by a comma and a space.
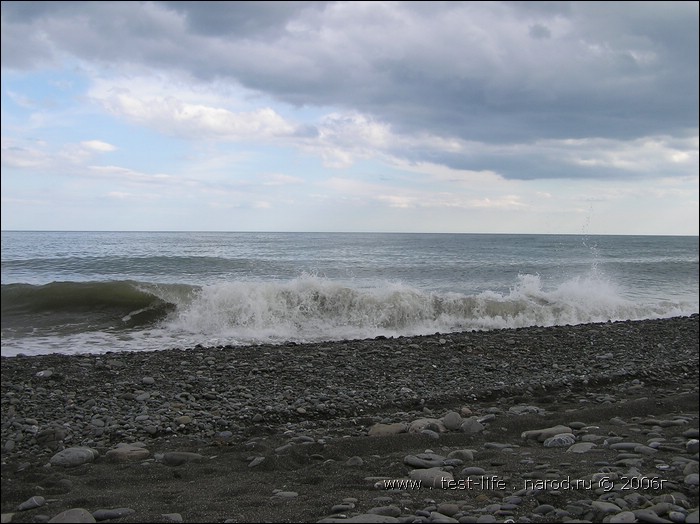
77, 292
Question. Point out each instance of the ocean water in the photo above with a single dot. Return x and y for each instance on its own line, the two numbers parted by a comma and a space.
93, 292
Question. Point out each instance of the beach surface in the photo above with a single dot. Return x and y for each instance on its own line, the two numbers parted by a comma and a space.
585, 423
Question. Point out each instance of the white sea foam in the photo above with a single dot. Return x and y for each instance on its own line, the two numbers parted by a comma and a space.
311, 308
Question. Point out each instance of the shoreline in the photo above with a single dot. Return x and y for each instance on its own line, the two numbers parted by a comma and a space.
315, 343
302, 411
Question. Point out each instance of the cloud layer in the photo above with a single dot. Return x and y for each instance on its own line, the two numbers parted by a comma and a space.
516, 91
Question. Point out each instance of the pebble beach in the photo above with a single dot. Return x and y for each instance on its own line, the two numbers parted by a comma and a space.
582, 423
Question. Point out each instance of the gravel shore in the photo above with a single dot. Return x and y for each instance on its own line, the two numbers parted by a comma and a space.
585, 423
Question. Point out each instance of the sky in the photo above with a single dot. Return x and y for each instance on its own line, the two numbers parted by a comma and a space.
468, 117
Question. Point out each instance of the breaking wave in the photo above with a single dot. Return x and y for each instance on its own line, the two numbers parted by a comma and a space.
128, 315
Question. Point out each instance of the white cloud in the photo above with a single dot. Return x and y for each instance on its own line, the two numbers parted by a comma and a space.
23, 156
38, 154
398, 200
504, 202
171, 116
173, 110
98, 145
655, 155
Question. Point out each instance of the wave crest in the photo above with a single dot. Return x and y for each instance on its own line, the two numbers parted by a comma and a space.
313, 308
81, 306
108, 316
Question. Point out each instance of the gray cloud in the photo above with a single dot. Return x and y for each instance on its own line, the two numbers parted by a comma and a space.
489, 72
243, 20
540, 31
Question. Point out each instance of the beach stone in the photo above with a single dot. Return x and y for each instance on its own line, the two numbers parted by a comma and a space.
387, 511
172, 517
354, 462
177, 458
436, 516
591, 437
487, 418
623, 517
677, 517
647, 515
544, 433
432, 424
581, 447
452, 420
561, 440
606, 507
448, 509
34, 502
256, 462
429, 433
471, 426
692, 480
386, 430
465, 411
424, 460
286, 494
693, 517
127, 453
74, 515
645, 450
342, 508
71, 457
692, 446
662, 508
6, 518
303, 439
465, 455
691, 467
431, 477
109, 514
544, 509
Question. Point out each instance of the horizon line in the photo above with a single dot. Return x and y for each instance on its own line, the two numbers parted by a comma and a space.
331, 232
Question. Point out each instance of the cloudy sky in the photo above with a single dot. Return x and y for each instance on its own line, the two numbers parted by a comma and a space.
495, 117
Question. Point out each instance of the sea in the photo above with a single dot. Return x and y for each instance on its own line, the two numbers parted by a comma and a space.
98, 292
